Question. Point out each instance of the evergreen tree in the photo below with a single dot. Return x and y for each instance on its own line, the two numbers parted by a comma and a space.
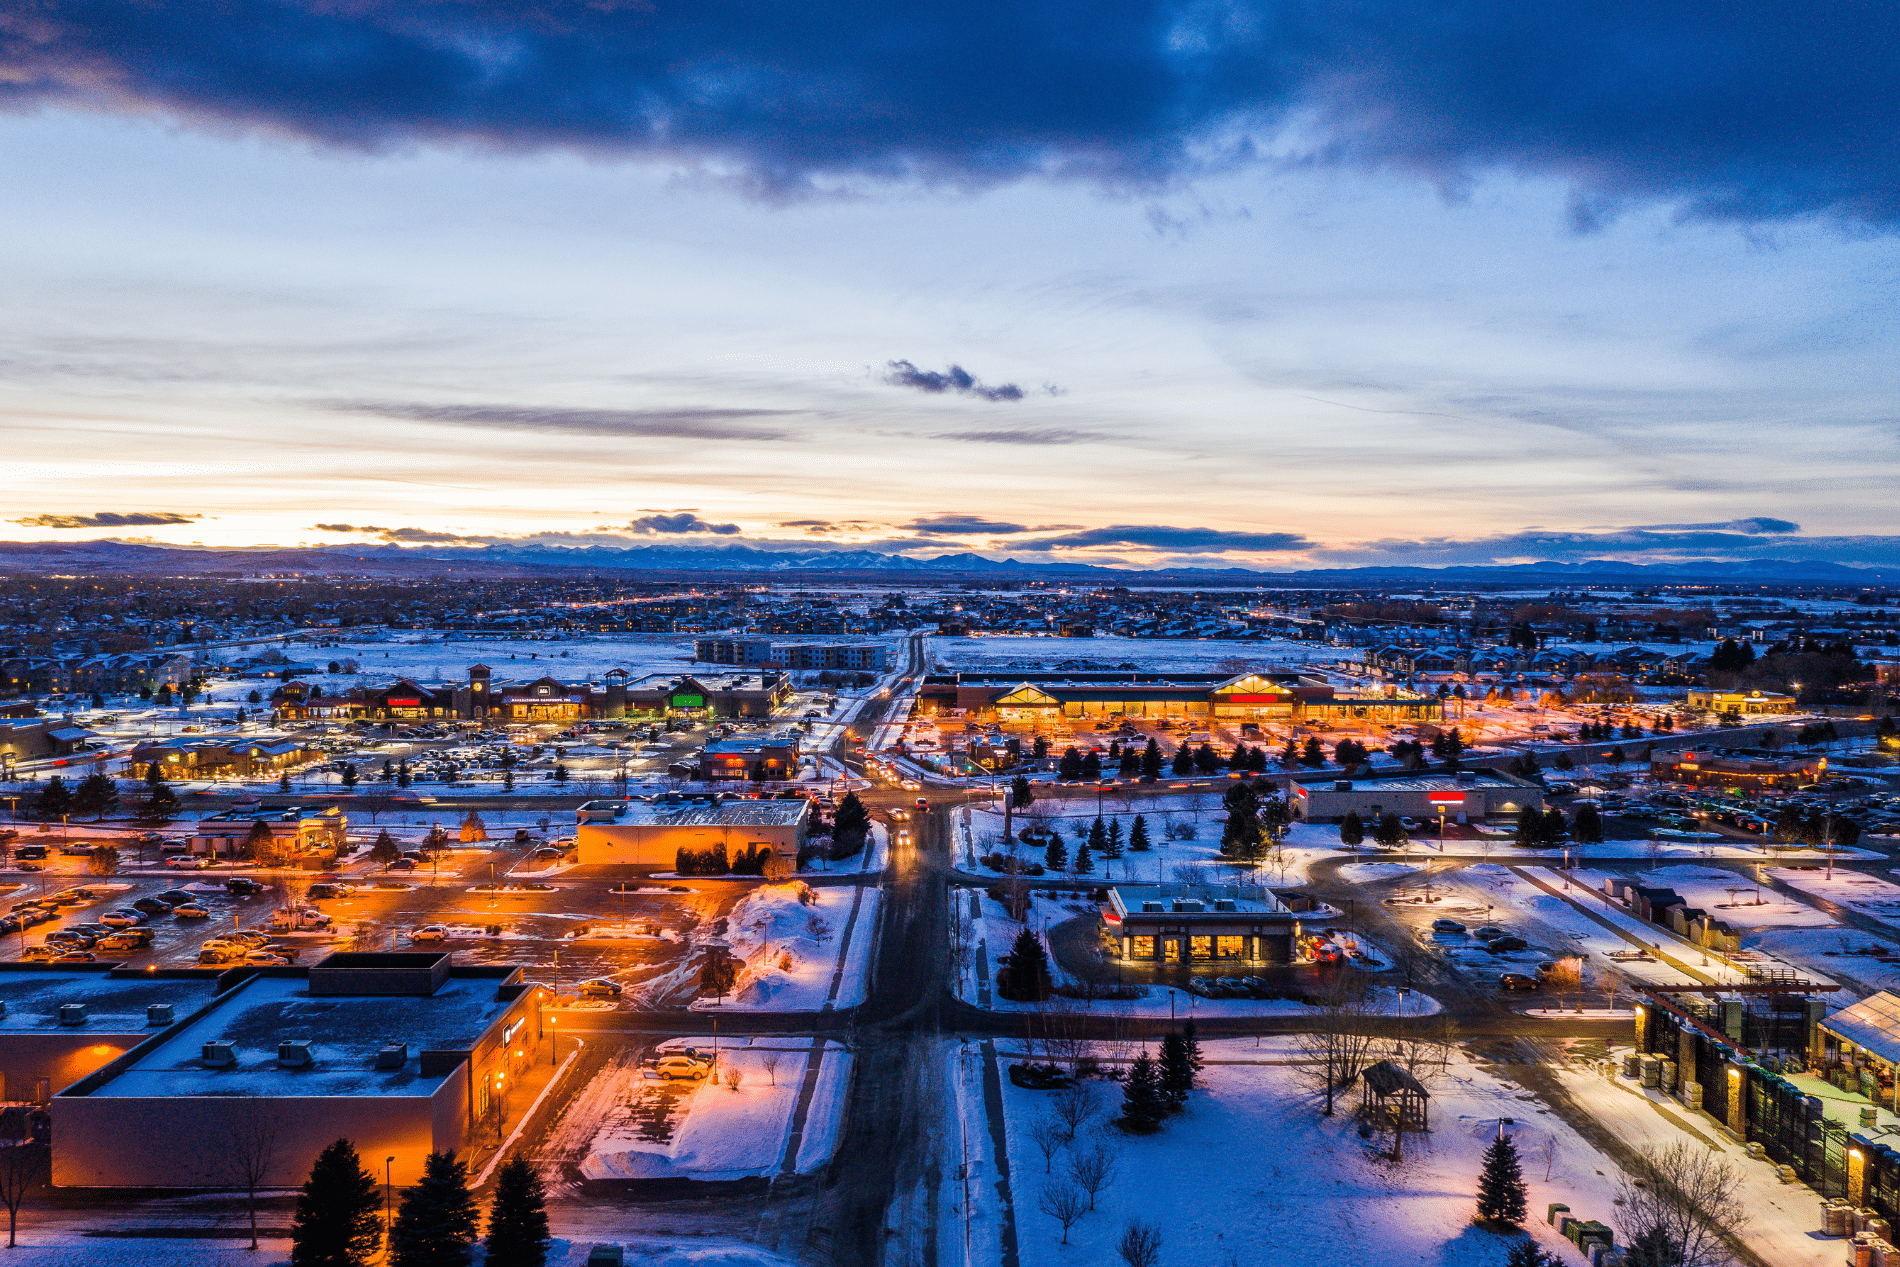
518, 1220
338, 1212
1069, 768
1291, 756
1092, 766
154, 774
1193, 1044
1588, 826
1313, 755
1390, 832
1205, 762
850, 824
1177, 1071
1138, 835
1151, 759
1183, 761
1021, 795
1652, 1248
1098, 835
1257, 761
1525, 1253
96, 795
1056, 856
1352, 830
1143, 1105
1084, 860
1501, 1191
436, 1224
1112, 847
1023, 974
1555, 827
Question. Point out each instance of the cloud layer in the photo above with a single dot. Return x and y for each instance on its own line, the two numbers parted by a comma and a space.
955, 379
1757, 109
107, 519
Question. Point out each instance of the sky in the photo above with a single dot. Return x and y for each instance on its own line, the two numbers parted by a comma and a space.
1185, 284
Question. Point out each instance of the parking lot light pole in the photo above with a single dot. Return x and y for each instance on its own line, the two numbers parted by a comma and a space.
388, 1204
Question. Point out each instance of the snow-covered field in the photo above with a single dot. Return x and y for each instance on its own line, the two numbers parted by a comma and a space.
1875, 898
1251, 1173
1735, 899
1154, 655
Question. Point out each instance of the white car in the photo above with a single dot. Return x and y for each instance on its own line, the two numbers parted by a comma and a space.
185, 863
430, 932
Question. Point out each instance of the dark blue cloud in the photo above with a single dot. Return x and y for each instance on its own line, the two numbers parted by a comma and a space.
1180, 540
1750, 109
674, 525
955, 379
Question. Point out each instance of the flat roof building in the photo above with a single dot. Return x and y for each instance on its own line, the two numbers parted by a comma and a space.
650, 834
1258, 696
1740, 768
403, 1053
1189, 926
1470, 794
1745, 703
58, 1024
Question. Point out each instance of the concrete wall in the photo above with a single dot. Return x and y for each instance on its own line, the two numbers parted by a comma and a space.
657, 847
62, 1057
183, 1142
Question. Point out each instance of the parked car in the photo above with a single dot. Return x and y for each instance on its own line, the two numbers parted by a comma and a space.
248, 937
153, 906
39, 954
121, 942
185, 862
73, 956
242, 887
220, 954
600, 988
1447, 926
177, 897
122, 918
1516, 981
1487, 931
265, 959
1505, 944
191, 910
430, 932
403, 864
31, 866
681, 1067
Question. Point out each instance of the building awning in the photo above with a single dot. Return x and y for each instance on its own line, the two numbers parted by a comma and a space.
1873, 1024
71, 734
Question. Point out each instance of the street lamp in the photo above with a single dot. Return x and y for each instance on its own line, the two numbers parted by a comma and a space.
388, 1203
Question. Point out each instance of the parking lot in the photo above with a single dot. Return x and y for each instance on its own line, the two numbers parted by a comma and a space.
569, 927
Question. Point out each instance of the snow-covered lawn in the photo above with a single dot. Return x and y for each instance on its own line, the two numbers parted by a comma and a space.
791, 940
1251, 1173
1875, 898
1838, 952
712, 1131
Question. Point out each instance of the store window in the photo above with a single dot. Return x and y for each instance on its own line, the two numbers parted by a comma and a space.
1171, 949
1201, 947
1141, 948
1229, 947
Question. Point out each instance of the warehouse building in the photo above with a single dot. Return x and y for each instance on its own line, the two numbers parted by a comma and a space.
650, 834
1739, 768
403, 1053
1467, 796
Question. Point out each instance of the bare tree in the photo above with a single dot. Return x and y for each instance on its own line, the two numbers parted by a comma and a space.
1549, 1153
1336, 1044
734, 1076
1063, 1202
771, 1061
22, 1167
1688, 1197
1051, 1137
1073, 1107
1094, 1170
1140, 1245
250, 1151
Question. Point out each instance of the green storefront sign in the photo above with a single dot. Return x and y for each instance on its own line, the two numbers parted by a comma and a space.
689, 701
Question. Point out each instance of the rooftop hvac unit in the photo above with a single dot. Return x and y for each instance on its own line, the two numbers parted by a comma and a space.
394, 1056
219, 1054
72, 1014
1342, 785
1225, 904
158, 1014
1151, 906
294, 1053
1189, 904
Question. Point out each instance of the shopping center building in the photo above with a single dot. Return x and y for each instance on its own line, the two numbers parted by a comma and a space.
1048, 697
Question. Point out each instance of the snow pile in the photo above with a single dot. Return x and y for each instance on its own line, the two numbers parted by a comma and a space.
784, 942
723, 1132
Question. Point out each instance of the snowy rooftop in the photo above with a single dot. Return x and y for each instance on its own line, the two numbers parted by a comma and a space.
1245, 899
1872, 1023
1417, 783
113, 1004
733, 813
346, 1033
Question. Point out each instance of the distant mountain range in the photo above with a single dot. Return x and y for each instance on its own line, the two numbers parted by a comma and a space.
119, 558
